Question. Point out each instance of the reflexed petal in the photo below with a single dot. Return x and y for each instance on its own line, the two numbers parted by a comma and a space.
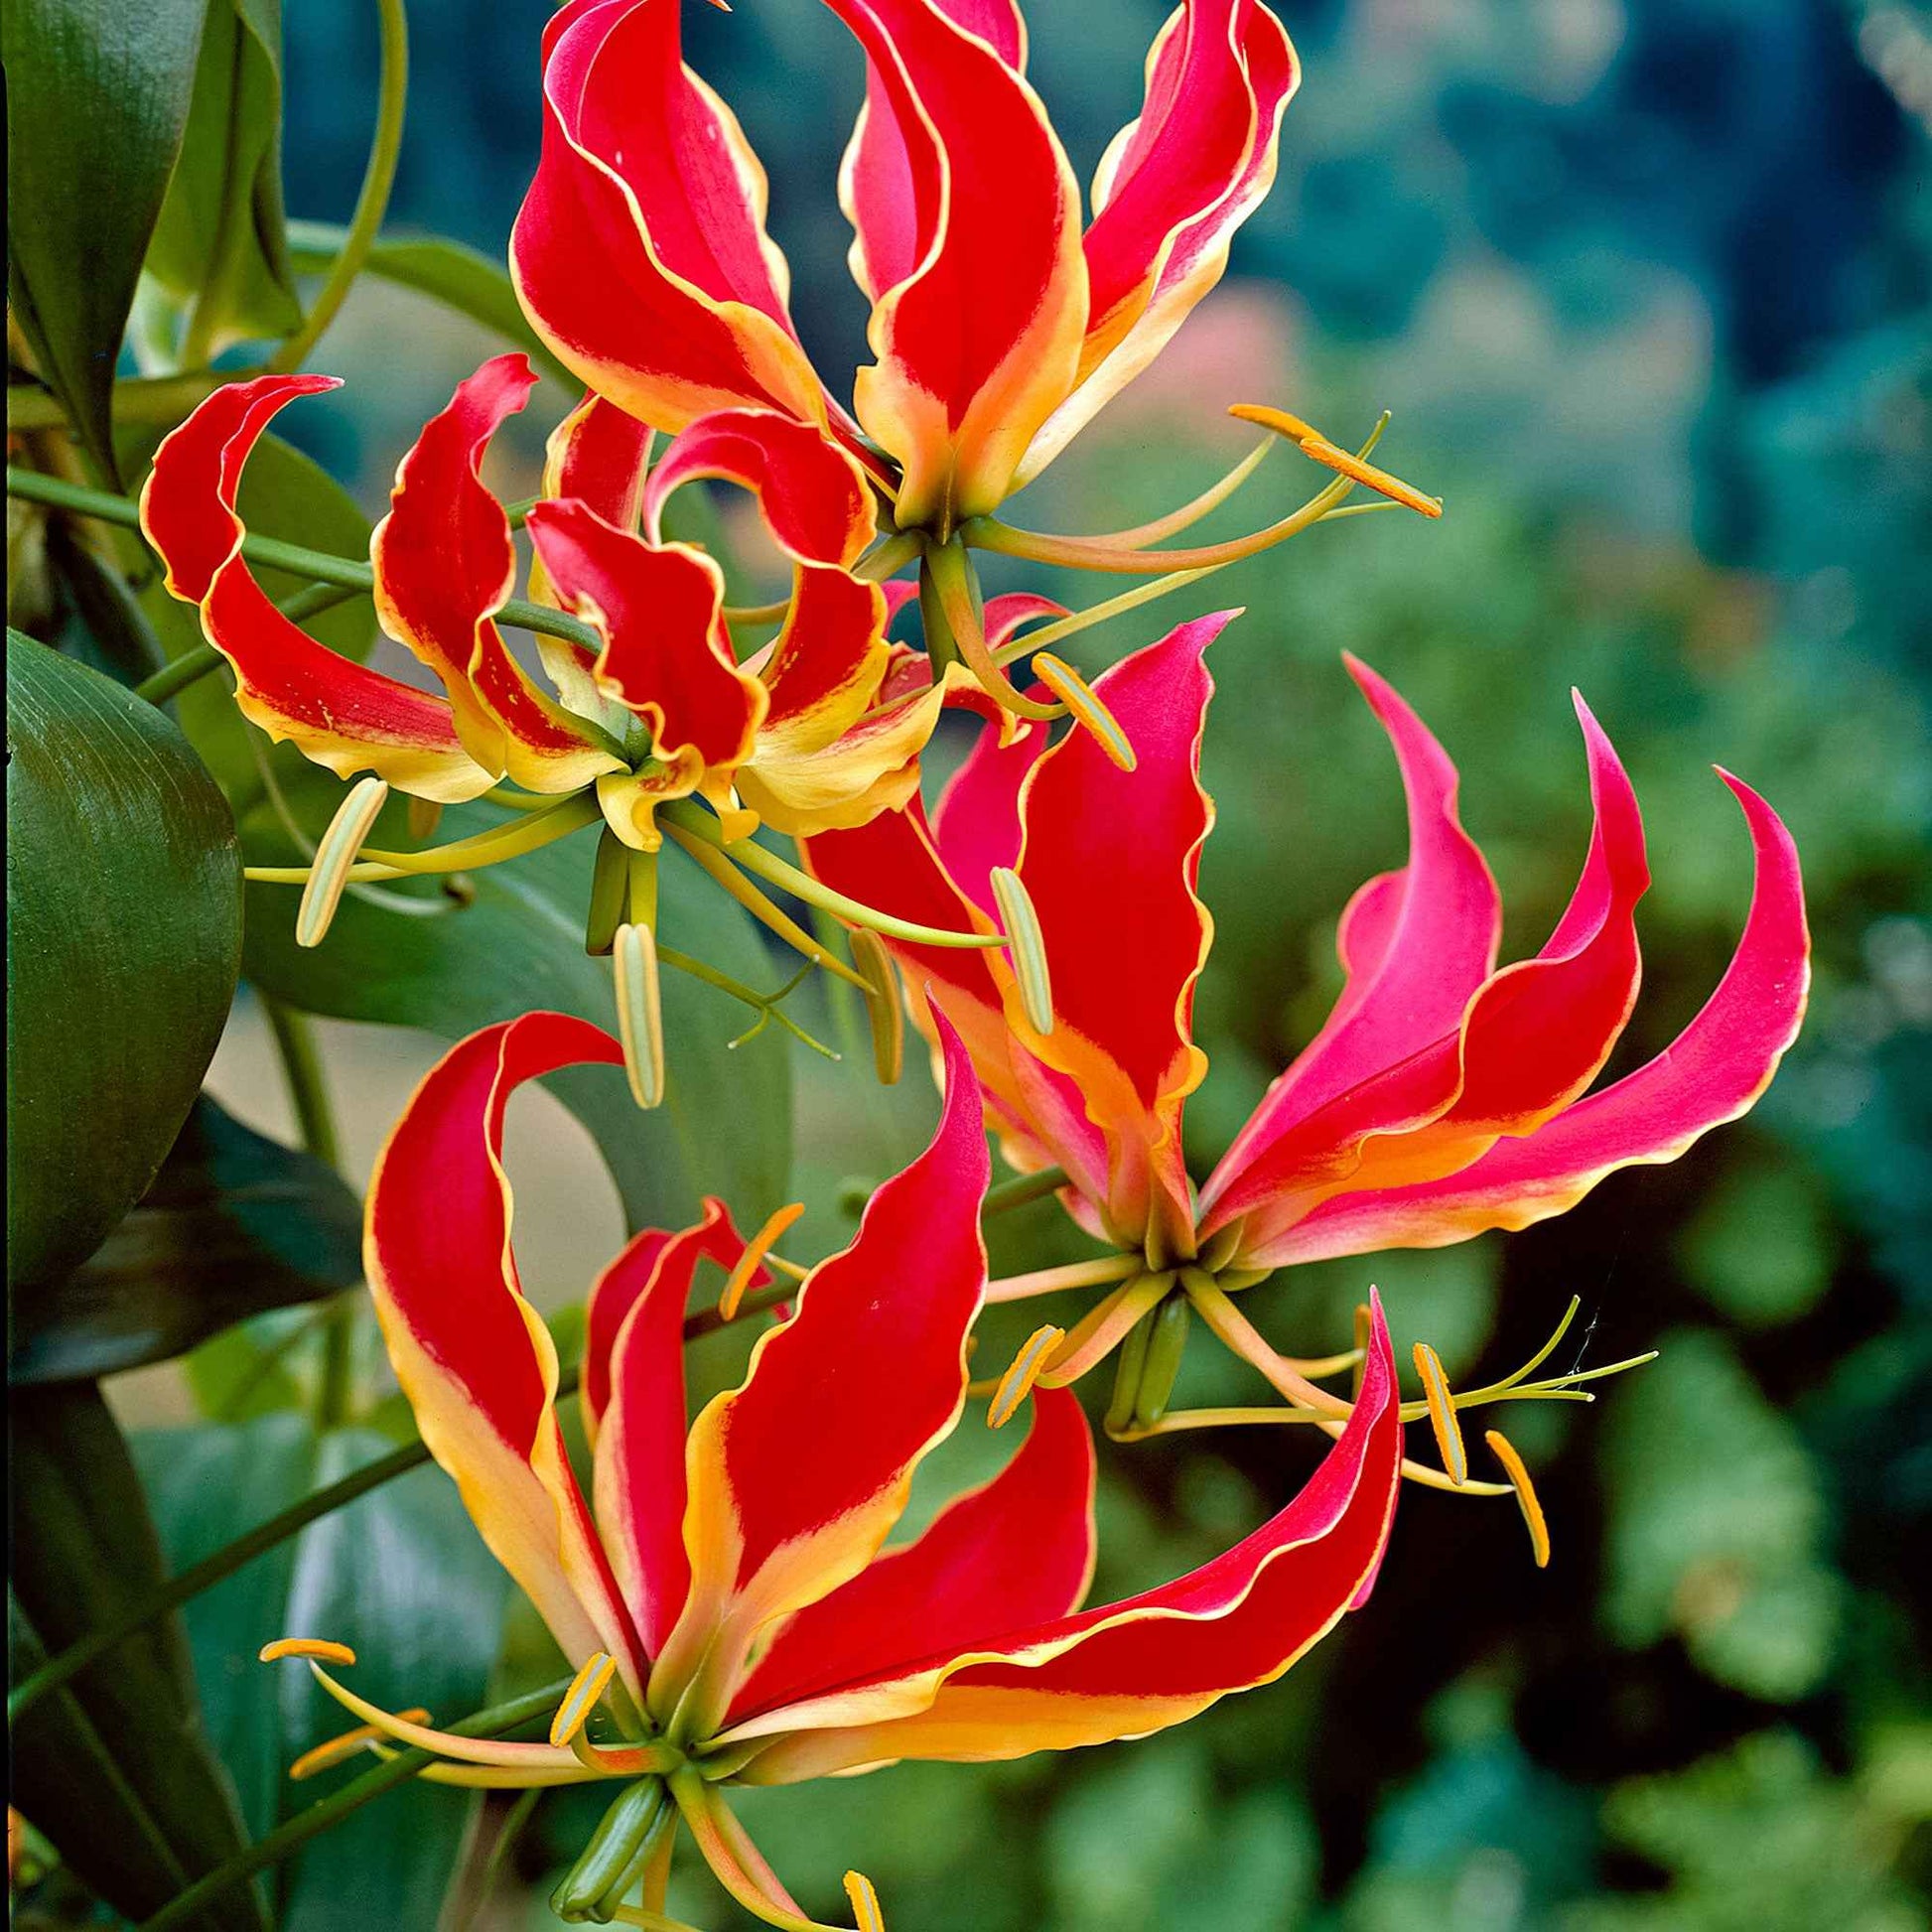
640, 253
814, 499
1711, 1073
824, 668
633, 1385
1171, 190
1014, 1553
1533, 1036
445, 563
798, 1476
1134, 1666
335, 710
666, 655
968, 223
472, 1355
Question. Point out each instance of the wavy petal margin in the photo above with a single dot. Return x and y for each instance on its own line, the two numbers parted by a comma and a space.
472, 1355
335, 710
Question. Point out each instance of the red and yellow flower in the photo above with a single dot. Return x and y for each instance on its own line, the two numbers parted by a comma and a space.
728, 1591
1444, 1096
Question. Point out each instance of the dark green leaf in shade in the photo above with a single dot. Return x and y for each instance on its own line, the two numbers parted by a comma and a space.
123, 888
220, 247
402, 1578
233, 1224
115, 1768
432, 961
98, 95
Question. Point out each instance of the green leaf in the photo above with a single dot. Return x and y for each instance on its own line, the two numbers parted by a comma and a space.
401, 1576
219, 246
425, 960
114, 1770
98, 95
459, 277
234, 1225
123, 883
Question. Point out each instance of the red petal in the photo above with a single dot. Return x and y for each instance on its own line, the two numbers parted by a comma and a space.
1013, 1553
798, 1476
1172, 189
978, 334
633, 1389
1713, 1072
1138, 1666
600, 456
445, 563
640, 253
474, 1358
335, 710
813, 498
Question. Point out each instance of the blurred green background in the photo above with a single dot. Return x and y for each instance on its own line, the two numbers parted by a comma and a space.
1645, 283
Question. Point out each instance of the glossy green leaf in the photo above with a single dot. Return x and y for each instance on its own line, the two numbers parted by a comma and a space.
402, 1578
426, 959
219, 246
123, 886
99, 96
459, 277
115, 1769
233, 1224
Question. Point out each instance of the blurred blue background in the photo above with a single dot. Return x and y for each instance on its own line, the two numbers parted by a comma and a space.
1645, 283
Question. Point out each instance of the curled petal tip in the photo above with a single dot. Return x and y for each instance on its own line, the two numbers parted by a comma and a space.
324, 1648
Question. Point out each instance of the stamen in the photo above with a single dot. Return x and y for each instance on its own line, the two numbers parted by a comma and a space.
325, 1648
1094, 1335
948, 573
609, 894
884, 1010
425, 816
1190, 514
1441, 1412
1526, 1499
1026, 946
354, 818
339, 1749
640, 1014
1017, 1383
865, 1915
1317, 448
1073, 691
748, 1263
1113, 607
580, 1700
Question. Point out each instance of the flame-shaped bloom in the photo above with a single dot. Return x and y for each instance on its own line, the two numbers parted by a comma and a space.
998, 325
820, 728
737, 1571
1444, 1096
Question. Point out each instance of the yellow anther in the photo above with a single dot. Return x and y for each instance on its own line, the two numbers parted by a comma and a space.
1519, 1481
1018, 1379
865, 1915
590, 1684
338, 1750
1026, 946
1442, 1414
323, 1648
1317, 448
748, 1263
640, 1015
1073, 691
355, 819
883, 1009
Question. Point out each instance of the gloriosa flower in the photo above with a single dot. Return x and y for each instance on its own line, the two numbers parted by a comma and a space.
999, 325
822, 727
1443, 1097
731, 1600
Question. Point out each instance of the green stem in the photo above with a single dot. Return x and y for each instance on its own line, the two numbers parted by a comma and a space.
290, 1838
378, 177
308, 1084
174, 678
272, 554
137, 399
1026, 1187
316, 599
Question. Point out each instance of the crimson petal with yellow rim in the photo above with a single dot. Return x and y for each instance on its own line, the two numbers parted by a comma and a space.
332, 710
